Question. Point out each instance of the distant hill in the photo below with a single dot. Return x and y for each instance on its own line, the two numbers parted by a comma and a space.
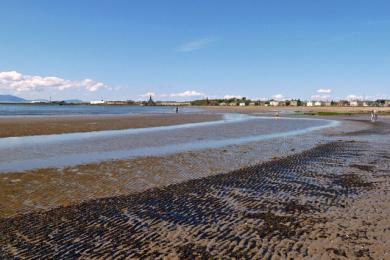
15, 99
73, 101
12, 99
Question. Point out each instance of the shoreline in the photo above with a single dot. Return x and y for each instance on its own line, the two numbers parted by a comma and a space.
42, 125
251, 109
14, 126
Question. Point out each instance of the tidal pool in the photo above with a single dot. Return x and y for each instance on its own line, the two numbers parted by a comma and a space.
46, 151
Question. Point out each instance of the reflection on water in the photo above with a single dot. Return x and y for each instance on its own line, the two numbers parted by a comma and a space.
24, 153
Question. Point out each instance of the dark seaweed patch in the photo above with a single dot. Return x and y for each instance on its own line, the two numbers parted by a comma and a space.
363, 167
282, 226
352, 181
192, 251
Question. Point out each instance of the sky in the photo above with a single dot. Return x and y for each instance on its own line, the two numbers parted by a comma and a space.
183, 50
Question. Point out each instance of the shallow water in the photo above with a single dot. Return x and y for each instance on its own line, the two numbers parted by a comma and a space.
66, 110
30, 152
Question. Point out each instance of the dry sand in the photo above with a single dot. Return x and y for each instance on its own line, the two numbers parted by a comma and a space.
22, 126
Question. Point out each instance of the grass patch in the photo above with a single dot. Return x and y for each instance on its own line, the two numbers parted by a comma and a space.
385, 113
328, 113
334, 113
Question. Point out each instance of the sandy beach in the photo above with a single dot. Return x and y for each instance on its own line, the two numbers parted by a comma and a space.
195, 130
322, 194
22, 126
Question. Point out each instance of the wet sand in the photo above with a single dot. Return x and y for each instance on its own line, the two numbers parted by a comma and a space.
329, 201
23, 126
283, 208
38, 125
43, 189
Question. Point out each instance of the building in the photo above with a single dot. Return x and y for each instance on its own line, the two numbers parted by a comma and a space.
150, 102
242, 104
117, 102
342, 103
39, 102
318, 103
274, 103
97, 102
310, 104
294, 103
355, 103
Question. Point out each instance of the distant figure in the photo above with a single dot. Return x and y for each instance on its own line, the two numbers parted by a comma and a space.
374, 116
177, 110
277, 114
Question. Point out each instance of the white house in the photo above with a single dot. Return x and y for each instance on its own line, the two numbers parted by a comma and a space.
353, 103
357, 103
97, 102
274, 103
242, 104
318, 103
310, 103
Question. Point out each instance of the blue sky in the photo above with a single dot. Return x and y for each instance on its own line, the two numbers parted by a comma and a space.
189, 49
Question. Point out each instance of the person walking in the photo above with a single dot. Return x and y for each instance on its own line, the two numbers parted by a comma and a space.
374, 116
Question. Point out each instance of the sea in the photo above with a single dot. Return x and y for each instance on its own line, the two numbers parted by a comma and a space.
74, 110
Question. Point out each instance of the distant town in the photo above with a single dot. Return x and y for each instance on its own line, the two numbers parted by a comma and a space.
242, 102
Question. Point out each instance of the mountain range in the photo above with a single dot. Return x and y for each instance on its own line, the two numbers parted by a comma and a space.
15, 99
12, 99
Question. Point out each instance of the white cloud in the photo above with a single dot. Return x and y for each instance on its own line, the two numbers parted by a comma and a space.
279, 97
188, 93
324, 90
196, 44
148, 94
17, 82
232, 96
